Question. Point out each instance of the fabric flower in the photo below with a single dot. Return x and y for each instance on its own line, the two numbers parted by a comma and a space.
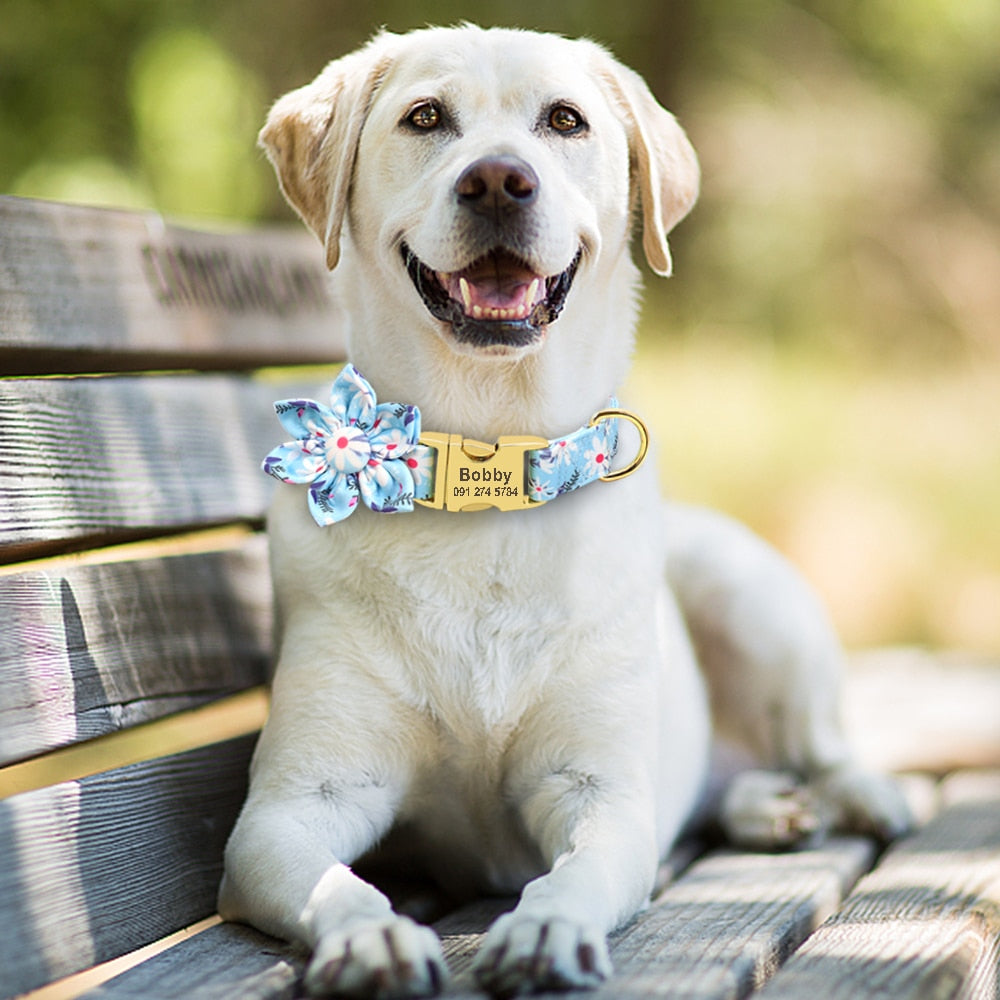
355, 447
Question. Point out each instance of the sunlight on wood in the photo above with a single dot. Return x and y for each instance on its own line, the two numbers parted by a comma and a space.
221, 720
83, 982
210, 540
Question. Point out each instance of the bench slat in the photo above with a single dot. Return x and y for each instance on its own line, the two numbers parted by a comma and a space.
925, 923
92, 457
718, 932
91, 649
95, 868
84, 289
225, 962
715, 933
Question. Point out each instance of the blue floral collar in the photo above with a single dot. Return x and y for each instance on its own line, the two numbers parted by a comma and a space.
359, 448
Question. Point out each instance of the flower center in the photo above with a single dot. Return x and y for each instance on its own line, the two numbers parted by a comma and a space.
348, 449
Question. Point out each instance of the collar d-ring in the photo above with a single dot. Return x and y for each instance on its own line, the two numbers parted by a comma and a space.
616, 414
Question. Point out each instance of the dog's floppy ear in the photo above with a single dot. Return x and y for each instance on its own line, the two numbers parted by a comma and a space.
664, 162
311, 138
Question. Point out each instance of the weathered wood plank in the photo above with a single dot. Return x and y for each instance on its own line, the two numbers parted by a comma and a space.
124, 290
91, 649
225, 962
94, 868
924, 923
91, 457
719, 931
679, 947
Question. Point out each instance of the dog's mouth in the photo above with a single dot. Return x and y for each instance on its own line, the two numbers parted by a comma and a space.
497, 301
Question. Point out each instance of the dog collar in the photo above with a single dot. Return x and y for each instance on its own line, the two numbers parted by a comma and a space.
357, 448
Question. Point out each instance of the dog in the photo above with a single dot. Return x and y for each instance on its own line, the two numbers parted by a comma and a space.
535, 701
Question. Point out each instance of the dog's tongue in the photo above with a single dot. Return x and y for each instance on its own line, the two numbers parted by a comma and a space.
498, 286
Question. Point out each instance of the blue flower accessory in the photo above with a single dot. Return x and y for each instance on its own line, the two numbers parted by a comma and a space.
355, 447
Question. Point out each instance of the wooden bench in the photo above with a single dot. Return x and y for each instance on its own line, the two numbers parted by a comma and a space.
139, 361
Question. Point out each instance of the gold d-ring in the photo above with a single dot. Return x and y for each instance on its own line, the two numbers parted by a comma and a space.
643, 440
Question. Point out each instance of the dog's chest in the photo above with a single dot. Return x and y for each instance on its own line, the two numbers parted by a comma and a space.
477, 617
469, 833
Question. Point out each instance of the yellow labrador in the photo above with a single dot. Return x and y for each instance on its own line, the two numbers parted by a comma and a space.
528, 697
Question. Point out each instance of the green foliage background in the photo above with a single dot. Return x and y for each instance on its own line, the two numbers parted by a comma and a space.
825, 364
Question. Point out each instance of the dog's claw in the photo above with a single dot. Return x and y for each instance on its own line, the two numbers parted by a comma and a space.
383, 960
528, 955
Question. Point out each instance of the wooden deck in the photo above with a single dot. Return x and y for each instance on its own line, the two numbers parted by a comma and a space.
925, 922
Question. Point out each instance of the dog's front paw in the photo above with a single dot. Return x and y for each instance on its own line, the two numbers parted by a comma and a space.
523, 954
384, 959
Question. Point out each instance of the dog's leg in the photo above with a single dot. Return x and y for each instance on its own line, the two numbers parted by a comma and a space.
594, 821
773, 665
555, 937
283, 876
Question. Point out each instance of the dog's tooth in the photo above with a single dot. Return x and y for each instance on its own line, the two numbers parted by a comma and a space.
477, 312
532, 292
463, 287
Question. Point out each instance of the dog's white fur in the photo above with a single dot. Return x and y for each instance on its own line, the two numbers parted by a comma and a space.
522, 693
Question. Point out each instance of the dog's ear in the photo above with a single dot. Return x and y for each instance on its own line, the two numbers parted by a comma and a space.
664, 163
311, 138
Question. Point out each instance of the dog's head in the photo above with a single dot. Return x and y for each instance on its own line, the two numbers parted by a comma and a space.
478, 171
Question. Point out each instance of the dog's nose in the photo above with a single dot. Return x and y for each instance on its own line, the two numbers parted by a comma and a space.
497, 184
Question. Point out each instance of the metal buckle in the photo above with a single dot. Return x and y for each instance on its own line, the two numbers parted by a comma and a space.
643, 441
472, 475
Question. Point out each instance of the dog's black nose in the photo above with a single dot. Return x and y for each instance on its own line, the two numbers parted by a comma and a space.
497, 184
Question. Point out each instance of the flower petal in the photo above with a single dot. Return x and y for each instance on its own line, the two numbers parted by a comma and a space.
395, 424
387, 487
296, 462
352, 399
305, 418
333, 500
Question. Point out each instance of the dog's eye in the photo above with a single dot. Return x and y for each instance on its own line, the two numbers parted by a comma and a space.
566, 120
425, 116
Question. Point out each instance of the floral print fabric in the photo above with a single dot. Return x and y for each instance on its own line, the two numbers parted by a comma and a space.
572, 461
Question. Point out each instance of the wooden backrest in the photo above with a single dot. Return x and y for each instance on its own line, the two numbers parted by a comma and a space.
133, 582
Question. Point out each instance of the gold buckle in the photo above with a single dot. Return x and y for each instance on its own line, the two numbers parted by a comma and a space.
643, 441
472, 475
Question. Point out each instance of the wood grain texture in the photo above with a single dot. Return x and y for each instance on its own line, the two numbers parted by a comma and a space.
720, 931
92, 869
96, 648
925, 923
679, 947
123, 290
226, 962
86, 458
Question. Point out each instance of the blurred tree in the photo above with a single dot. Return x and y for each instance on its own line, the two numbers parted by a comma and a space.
851, 150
